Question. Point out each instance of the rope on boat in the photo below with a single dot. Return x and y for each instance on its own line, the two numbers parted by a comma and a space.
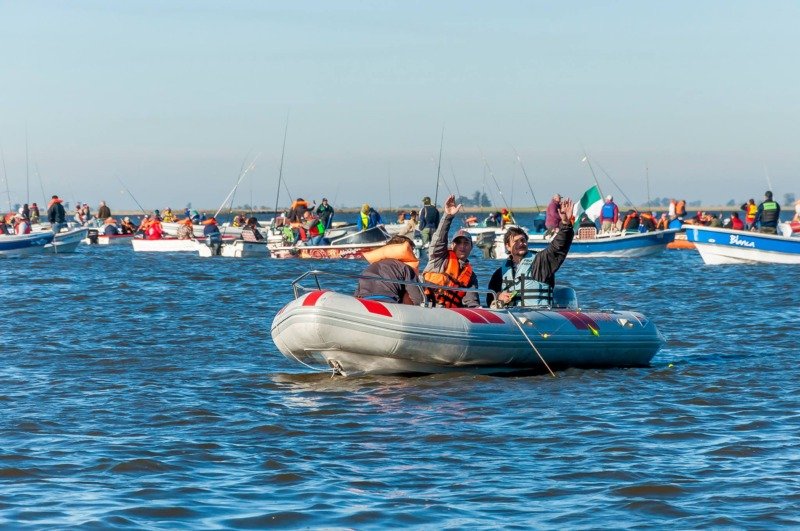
536, 350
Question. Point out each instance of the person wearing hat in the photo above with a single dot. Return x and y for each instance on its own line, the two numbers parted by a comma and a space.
127, 226
325, 213
368, 217
449, 266
21, 224
529, 281
768, 215
609, 215
428, 220
110, 227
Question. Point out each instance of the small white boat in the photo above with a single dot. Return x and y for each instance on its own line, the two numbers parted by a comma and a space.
329, 330
166, 245
236, 249
24, 244
67, 241
727, 246
590, 244
352, 246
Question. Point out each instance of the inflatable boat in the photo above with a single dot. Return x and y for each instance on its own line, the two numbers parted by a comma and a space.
332, 331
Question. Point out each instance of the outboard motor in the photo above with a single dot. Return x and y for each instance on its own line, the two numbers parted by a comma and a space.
214, 242
92, 236
565, 297
485, 242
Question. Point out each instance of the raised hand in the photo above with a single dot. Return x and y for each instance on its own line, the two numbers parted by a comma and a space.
450, 207
565, 209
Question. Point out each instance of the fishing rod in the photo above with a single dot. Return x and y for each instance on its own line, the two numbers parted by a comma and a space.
41, 184
766, 174
594, 176
453, 173
280, 171
5, 177
519, 159
439, 168
491, 174
628, 199
238, 181
27, 171
130, 194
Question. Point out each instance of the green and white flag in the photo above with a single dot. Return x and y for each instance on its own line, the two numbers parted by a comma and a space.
591, 202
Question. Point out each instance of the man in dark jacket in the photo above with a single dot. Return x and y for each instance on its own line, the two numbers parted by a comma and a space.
524, 281
383, 270
768, 215
56, 214
428, 220
325, 213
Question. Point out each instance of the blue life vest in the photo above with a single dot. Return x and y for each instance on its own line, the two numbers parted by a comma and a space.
529, 292
608, 211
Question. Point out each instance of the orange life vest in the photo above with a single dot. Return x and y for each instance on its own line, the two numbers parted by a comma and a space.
398, 252
451, 277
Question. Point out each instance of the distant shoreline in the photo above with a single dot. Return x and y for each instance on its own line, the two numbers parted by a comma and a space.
466, 210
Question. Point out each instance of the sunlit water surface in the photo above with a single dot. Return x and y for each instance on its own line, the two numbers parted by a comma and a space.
143, 390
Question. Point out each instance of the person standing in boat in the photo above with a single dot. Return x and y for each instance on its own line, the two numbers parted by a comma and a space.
368, 218
103, 212
529, 281
768, 215
551, 217
609, 215
325, 213
34, 213
449, 266
428, 220
393, 261
506, 218
312, 229
56, 214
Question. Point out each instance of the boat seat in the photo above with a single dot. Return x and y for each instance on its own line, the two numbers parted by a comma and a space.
587, 233
248, 236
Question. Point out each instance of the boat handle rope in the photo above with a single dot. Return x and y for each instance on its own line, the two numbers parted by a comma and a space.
536, 350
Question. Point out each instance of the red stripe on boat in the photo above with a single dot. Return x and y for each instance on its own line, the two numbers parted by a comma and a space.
375, 307
492, 317
471, 315
581, 321
312, 298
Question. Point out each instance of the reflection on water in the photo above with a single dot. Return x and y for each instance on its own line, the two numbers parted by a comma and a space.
144, 391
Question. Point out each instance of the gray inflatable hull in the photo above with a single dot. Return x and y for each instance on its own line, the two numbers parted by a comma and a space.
325, 330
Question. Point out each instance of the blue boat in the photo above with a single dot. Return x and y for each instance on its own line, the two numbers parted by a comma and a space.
589, 244
728, 246
24, 244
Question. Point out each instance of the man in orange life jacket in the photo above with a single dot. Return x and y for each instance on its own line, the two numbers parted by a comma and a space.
388, 264
449, 266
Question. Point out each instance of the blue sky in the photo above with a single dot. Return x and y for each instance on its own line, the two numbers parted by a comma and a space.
172, 97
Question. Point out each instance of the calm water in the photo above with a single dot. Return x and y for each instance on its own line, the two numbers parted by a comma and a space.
143, 390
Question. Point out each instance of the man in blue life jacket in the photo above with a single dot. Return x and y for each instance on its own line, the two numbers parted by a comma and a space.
529, 281
609, 215
768, 215
428, 220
